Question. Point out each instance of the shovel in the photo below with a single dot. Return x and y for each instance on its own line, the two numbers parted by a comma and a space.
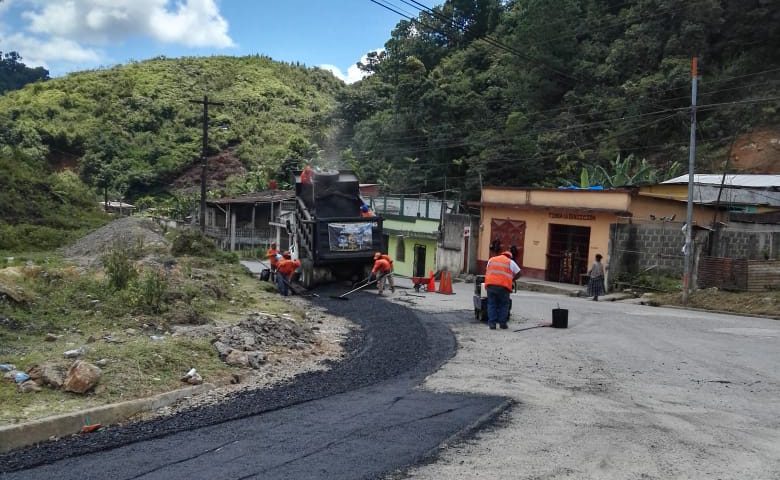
343, 296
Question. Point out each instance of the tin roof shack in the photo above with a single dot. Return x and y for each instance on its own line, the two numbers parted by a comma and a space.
251, 220
746, 193
119, 208
558, 232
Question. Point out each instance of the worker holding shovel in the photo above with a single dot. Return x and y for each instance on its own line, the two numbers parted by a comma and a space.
284, 272
382, 271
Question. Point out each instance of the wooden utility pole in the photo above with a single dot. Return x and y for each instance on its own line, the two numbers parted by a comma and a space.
203, 158
688, 248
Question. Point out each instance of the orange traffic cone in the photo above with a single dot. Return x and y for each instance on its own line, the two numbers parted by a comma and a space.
445, 286
431, 282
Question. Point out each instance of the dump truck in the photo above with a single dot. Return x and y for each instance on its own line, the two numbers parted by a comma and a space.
331, 238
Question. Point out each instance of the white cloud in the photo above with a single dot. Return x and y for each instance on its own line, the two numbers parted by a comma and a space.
39, 53
353, 72
192, 23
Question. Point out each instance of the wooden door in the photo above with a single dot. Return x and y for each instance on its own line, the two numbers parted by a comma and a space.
508, 233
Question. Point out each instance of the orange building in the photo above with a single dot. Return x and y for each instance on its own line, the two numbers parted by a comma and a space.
557, 233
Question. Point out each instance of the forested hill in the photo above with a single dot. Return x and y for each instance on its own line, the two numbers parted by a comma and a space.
530, 92
135, 128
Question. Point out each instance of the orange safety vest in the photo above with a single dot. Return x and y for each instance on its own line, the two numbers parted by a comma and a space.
287, 267
381, 265
499, 272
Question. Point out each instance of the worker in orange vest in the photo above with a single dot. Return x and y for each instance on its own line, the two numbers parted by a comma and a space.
383, 271
272, 255
284, 272
500, 275
365, 211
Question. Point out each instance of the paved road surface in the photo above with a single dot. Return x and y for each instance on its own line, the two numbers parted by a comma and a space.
627, 392
360, 420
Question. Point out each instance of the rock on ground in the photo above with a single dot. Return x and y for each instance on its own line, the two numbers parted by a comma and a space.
82, 377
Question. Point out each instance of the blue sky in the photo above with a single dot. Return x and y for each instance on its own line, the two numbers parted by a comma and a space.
70, 35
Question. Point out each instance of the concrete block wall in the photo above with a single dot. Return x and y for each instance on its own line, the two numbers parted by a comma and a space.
635, 248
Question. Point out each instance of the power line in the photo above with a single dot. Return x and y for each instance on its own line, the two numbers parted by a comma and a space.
393, 7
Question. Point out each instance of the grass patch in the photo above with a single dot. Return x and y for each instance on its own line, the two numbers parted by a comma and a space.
765, 303
79, 307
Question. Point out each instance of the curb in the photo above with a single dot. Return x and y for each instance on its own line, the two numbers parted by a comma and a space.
29, 433
720, 312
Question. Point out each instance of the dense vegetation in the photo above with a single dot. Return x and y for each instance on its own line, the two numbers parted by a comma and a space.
523, 92
533, 92
135, 127
14, 74
40, 211
132, 129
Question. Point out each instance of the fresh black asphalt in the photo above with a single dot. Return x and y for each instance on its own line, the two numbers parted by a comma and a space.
363, 418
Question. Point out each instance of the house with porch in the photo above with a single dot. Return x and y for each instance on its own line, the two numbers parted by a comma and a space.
250, 221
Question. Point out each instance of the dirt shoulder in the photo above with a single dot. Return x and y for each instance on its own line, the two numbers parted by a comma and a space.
765, 304
174, 314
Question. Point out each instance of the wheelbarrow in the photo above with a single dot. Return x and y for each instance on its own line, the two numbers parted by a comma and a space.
420, 282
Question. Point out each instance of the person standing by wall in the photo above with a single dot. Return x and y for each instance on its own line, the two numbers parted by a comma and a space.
596, 286
500, 274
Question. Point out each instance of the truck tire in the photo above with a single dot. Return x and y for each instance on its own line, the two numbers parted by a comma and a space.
307, 273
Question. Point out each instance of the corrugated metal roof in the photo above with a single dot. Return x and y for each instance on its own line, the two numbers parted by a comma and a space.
266, 196
732, 180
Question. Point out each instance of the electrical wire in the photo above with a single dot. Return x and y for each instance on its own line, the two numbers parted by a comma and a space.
393, 7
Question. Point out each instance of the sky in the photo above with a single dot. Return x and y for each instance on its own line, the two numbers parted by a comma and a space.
70, 35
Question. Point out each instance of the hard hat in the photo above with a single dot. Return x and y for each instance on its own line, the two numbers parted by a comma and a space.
507, 254
364, 208
377, 255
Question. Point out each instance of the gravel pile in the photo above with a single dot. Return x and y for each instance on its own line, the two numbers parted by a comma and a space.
128, 232
260, 330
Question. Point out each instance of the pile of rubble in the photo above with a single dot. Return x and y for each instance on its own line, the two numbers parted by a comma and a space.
78, 377
246, 343
128, 233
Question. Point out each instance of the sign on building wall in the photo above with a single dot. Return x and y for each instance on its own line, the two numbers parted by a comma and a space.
572, 216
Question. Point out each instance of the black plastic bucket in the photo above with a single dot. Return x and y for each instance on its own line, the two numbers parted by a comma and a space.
560, 318
265, 274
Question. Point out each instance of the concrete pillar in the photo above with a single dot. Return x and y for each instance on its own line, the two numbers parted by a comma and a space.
232, 232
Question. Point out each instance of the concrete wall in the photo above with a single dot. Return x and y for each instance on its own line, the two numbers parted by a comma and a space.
750, 241
450, 254
617, 200
654, 247
644, 208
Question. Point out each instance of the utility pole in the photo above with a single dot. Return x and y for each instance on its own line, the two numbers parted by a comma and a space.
688, 248
203, 158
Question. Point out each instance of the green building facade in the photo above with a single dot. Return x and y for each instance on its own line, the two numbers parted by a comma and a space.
412, 243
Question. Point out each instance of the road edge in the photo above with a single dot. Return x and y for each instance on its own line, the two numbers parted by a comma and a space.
29, 433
